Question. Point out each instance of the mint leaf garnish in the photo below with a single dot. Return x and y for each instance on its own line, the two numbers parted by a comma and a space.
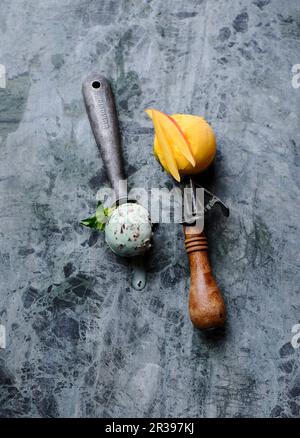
100, 214
100, 218
90, 222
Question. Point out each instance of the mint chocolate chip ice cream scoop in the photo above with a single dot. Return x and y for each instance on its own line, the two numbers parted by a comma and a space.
128, 231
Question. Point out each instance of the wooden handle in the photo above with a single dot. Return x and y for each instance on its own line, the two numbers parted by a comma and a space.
206, 304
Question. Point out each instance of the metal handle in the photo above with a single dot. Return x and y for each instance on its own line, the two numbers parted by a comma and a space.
100, 106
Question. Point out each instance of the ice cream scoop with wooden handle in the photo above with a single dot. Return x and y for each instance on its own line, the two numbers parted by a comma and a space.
206, 304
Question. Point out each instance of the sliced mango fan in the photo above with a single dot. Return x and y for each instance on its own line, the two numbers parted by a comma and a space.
168, 132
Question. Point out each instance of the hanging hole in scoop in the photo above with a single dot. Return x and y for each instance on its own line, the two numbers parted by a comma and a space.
96, 84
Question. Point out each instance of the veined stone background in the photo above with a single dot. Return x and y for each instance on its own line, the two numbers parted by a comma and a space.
80, 342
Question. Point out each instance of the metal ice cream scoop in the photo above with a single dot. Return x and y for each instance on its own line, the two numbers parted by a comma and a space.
127, 235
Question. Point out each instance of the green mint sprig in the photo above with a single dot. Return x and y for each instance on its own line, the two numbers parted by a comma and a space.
99, 219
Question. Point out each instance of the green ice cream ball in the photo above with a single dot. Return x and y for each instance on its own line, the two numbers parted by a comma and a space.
128, 232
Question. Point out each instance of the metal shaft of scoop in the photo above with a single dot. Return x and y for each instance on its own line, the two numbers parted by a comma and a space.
100, 106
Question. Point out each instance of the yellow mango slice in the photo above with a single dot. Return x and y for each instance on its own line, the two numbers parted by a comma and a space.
174, 134
164, 144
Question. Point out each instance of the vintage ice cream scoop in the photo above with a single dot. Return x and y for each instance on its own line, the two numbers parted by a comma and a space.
206, 304
128, 230
185, 145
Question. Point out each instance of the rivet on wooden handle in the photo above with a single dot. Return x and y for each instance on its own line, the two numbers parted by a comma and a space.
206, 304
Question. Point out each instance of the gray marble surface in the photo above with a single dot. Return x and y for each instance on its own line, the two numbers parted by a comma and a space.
80, 341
